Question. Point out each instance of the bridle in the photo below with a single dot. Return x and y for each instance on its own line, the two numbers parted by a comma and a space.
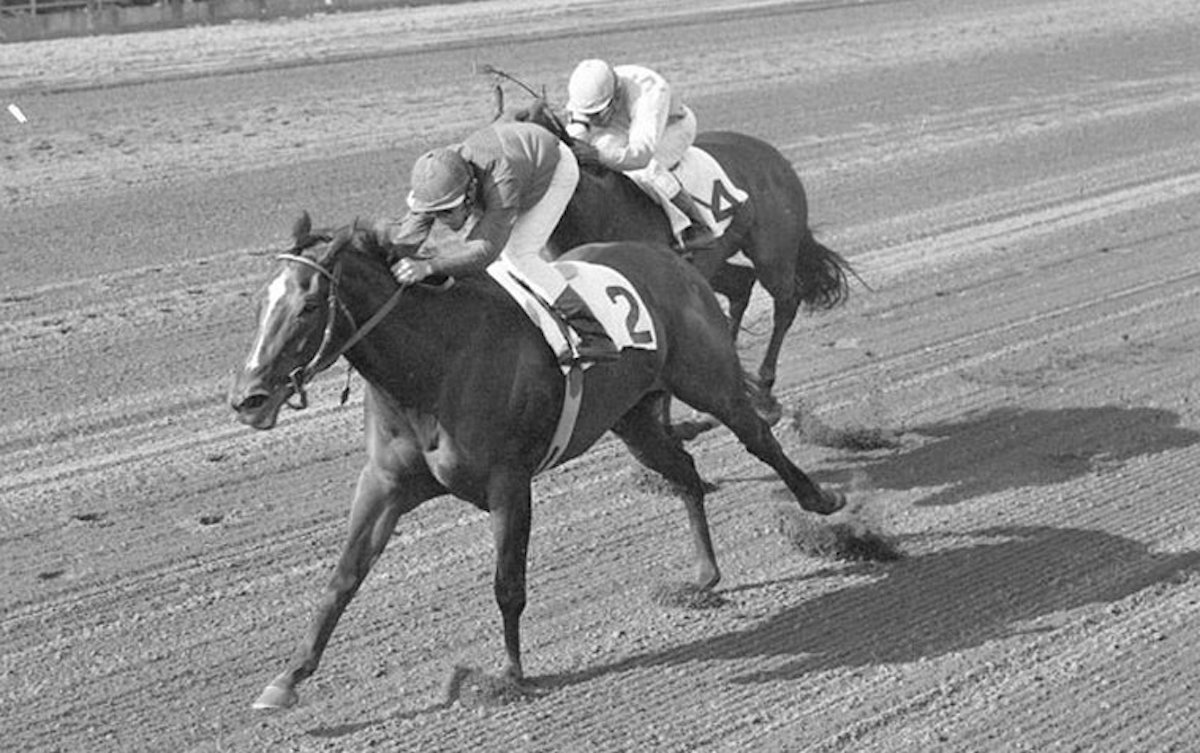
328, 354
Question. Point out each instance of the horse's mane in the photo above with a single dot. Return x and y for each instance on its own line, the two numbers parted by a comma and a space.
358, 237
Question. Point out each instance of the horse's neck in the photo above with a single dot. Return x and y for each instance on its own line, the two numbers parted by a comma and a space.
411, 351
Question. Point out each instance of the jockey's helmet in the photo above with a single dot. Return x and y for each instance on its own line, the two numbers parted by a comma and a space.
440, 178
591, 87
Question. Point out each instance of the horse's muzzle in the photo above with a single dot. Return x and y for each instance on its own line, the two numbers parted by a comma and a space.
257, 410
255, 405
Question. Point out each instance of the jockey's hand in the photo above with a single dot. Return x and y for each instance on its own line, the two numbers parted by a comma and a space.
409, 270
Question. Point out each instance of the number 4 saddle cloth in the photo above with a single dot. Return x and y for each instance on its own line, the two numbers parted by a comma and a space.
710, 186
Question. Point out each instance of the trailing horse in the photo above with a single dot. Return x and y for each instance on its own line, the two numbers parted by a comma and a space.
770, 228
463, 395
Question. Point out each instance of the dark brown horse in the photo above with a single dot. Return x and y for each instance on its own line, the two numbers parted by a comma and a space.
770, 228
463, 395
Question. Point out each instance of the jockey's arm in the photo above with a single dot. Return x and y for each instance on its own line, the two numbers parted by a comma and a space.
480, 248
403, 238
647, 121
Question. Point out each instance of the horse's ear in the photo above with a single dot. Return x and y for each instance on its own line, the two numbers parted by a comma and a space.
302, 227
498, 95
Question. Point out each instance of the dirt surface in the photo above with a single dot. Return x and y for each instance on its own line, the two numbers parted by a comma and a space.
1017, 182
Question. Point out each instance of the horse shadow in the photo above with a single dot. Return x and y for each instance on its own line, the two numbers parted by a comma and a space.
929, 606
1010, 448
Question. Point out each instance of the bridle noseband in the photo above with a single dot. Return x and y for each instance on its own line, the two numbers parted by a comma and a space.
327, 354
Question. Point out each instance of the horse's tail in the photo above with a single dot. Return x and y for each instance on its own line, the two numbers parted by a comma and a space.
822, 275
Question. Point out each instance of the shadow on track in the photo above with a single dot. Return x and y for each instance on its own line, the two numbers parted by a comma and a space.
1014, 448
932, 605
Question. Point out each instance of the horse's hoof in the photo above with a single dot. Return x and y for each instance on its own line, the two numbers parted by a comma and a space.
829, 503
708, 581
275, 698
529, 690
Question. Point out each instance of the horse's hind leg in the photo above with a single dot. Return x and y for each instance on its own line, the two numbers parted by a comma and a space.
756, 435
648, 439
735, 283
711, 380
786, 304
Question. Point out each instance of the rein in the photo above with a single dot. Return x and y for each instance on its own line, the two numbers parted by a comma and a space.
322, 360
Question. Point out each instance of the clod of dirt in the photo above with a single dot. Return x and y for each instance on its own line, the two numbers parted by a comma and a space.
840, 537
687, 596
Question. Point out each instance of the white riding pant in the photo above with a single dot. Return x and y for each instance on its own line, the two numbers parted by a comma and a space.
532, 229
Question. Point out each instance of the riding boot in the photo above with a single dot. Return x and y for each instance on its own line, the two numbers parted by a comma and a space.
697, 236
594, 342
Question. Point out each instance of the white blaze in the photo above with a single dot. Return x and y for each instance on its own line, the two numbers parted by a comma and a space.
275, 293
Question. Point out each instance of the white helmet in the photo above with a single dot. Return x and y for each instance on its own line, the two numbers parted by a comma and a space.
591, 87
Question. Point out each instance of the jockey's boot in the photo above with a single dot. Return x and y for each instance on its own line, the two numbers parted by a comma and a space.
594, 343
698, 236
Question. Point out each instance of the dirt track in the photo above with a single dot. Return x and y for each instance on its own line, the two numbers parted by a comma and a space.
1019, 187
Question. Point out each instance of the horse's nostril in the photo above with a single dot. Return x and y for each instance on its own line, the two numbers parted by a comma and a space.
252, 402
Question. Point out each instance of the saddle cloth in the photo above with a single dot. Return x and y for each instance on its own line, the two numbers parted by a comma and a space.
617, 306
613, 299
708, 183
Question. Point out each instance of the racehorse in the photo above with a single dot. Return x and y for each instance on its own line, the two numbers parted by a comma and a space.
462, 394
770, 228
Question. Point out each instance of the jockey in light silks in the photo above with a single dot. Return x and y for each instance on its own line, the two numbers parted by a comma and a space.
517, 179
639, 126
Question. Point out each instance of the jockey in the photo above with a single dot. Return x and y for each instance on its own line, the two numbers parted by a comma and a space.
517, 178
639, 126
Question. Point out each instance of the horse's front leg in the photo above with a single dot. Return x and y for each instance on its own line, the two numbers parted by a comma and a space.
509, 507
379, 501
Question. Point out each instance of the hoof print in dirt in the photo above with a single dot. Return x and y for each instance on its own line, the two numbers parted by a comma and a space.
687, 596
472, 688
91, 518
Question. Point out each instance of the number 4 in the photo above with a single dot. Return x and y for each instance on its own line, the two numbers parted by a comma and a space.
722, 204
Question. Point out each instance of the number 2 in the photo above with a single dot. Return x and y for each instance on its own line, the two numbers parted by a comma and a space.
639, 336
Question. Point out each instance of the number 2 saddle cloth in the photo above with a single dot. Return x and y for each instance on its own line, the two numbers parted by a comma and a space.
618, 307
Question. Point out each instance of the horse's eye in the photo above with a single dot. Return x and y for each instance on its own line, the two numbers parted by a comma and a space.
310, 306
